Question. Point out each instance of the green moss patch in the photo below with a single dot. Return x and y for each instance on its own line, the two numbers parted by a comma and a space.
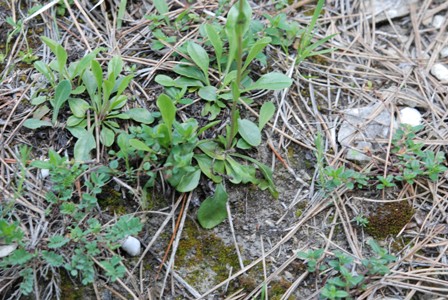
205, 257
388, 219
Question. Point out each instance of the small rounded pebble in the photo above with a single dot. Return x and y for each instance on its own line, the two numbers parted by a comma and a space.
438, 21
132, 246
44, 173
444, 52
440, 71
410, 116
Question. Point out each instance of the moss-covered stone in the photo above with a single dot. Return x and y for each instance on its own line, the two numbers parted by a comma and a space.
388, 219
111, 201
204, 254
74, 291
278, 289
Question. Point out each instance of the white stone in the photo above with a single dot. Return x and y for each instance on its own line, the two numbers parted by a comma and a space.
440, 71
438, 21
410, 116
44, 173
131, 245
444, 52
5, 250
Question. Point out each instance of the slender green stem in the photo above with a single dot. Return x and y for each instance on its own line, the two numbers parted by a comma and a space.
236, 92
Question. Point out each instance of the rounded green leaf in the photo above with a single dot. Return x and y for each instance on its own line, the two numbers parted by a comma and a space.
78, 107
208, 93
189, 182
85, 144
271, 81
74, 121
139, 145
61, 95
35, 123
164, 80
199, 56
249, 132
107, 136
38, 100
267, 111
213, 210
140, 115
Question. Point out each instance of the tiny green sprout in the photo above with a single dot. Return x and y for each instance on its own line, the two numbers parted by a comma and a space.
332, 292
385, 182
312, 257
361, 220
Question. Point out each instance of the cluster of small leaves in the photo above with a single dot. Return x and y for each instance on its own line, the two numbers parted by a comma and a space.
410, 158
63, 176
84, 240
174, 149
342, 176
88, 241
93, 97
197, 77
312, 258
360, 220
282, 32
10, 232
347, 277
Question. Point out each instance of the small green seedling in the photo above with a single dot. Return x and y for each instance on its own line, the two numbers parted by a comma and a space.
347, 277
360, 220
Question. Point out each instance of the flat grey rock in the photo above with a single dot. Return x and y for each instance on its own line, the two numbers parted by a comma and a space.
382, 9
365, 123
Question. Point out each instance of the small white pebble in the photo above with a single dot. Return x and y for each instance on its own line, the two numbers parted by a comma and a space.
440, 71
44, 173
438, 21
444, 52
410, 116
5, 250
131, 245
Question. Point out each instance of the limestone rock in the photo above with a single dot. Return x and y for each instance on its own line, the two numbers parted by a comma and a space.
356, 125
361, 126
440, 71
410, 116
131, 246
438, 21
382, 9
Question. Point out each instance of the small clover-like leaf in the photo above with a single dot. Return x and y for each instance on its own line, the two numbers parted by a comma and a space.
53, 259
57, 241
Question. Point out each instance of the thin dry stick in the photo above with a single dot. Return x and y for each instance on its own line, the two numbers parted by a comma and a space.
263, 262
274, 275
173, 236
232, 230
178, 234
159, 231
81, 9
176, 276
81, 32
118, 279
